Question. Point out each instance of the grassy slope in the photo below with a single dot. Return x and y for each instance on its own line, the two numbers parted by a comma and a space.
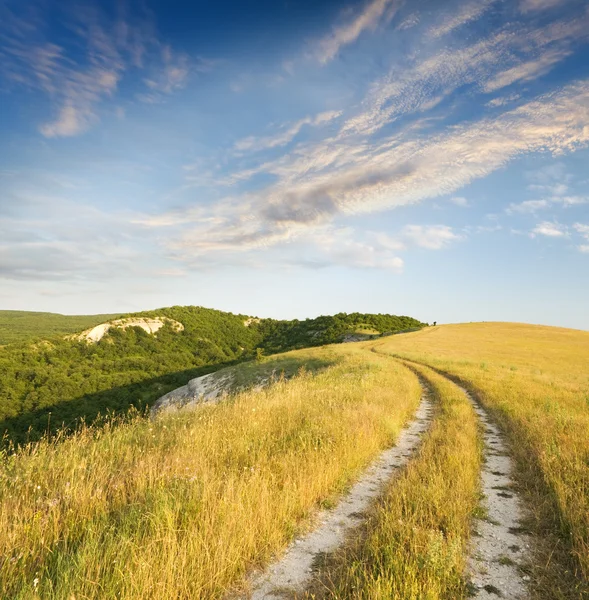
535, 382
24, 326
180, 507
415, 541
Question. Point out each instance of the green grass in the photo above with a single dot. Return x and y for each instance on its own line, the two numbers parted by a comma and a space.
253, 373
24, 326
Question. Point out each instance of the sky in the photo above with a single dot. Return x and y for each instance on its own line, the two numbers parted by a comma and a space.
291, 158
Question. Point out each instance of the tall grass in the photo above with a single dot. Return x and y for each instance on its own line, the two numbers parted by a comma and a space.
182, 506
535, 382
415, 541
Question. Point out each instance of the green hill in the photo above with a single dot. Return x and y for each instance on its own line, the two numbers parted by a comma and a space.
23, 326
55, 382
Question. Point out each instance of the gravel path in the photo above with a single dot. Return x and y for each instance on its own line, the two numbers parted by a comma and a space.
499, 545
292, 573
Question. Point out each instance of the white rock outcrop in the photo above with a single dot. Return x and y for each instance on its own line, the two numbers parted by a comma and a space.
150, 325
250, 321
200, 389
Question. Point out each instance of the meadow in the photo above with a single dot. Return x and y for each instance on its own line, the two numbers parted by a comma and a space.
534, 382
187, 504
182, 506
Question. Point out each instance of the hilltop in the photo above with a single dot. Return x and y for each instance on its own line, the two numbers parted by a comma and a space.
23, 325
133, 359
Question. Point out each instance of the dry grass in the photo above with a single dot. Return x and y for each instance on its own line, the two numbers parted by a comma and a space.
181, 507
535, 382
415, 541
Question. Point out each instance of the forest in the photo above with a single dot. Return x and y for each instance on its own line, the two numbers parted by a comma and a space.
57, 382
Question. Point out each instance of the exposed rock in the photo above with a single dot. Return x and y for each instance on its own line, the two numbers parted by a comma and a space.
251, 320
150, 325
200, 389
212, 387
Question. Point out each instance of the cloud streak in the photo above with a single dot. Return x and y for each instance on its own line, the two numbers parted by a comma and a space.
285, 136
319, 183
346, 33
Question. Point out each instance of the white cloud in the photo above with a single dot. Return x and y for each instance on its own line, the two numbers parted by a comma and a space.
319, 182
528, 206
583, 230
571, 200
512, 53
433, 237
465, 13
459, 201
503, 100
347, 33
339, 247
549, 229
527, 71
170, 74
71, 121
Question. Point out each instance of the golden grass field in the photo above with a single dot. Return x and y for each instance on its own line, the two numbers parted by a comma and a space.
185, 505
180, 507
534, 381
415, 542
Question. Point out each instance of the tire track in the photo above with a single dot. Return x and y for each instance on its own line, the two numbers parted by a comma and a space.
500, 546
290, 575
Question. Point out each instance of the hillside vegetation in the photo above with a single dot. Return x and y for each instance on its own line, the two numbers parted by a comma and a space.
54, 383
535, 382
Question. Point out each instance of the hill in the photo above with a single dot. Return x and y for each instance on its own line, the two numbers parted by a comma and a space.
23, 326
54, 383
494, 497
534, 382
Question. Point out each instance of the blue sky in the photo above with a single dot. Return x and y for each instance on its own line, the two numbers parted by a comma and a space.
297, 158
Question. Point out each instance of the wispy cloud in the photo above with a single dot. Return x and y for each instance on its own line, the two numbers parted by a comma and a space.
583, 230
538, 5
348, 32
286, 135
433, 237
507, 55
318, 183
528, 71
528, 206
172, 75
341, 247
77, 82
460, 16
